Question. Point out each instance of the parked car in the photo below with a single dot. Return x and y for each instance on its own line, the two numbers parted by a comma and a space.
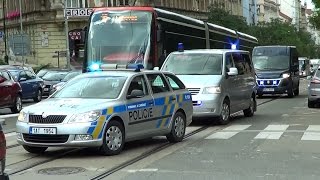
43, 72
10, 92
51, 78
69, 76
29, 68
31, 85
3, 151
314, 89
221, 81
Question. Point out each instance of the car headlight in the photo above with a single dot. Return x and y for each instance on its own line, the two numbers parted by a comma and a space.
23, 117
285, 75
85, 117
212, 90
56, 87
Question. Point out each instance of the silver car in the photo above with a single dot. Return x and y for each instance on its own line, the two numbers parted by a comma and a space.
107, 109
221, 81
314, 89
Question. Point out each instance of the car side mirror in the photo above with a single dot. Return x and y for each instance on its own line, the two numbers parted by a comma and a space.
22, 79
233, 71
156, 68
136, 93
308, 77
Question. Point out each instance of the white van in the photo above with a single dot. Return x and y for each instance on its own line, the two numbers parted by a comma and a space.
221, 81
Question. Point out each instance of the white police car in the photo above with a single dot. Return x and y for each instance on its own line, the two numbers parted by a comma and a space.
106, 109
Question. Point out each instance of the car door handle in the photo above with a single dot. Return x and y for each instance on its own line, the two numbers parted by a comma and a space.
173, 99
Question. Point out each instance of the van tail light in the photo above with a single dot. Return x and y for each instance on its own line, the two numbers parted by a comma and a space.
3, 145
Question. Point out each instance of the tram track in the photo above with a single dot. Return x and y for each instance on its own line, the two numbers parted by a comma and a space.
157, 149
118, 167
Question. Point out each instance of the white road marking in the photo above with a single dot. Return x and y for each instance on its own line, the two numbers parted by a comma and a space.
141, 170
10, 134
226, 135
311, 136
272, 135
148, 170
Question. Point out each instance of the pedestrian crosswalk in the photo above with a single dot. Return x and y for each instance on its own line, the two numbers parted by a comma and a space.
270, 132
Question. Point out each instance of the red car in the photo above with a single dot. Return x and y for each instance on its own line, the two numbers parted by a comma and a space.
3, 151
10, 92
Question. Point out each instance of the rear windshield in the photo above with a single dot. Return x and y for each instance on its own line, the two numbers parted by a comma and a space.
194, 64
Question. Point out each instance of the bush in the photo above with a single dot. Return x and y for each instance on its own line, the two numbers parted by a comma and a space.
42, 66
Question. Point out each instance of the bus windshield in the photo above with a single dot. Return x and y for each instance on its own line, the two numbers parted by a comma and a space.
194, 64
271, 58
119, 37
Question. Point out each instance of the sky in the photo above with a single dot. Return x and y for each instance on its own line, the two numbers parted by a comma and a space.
309, 4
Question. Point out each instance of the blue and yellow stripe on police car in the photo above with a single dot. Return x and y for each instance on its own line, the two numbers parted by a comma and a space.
97, 127
168, 110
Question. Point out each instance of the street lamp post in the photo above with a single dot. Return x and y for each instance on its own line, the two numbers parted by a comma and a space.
67, 34
21, 32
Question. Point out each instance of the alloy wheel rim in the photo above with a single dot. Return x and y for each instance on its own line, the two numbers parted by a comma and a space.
225, 111
19, 104
114, 138
39, 95
252, 104
179, 126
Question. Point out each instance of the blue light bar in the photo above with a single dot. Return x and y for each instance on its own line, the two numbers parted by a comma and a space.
180, 47
137, 67
94, 67
233, 46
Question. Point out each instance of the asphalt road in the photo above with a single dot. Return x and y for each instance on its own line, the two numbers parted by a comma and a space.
7, 111
281, 141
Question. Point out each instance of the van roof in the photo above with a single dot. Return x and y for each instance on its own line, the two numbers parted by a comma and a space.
208, 51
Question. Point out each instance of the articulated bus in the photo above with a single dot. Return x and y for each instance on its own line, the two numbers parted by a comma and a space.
146, 35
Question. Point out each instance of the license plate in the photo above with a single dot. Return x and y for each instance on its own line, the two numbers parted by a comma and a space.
268, 89
34, 130
46, 89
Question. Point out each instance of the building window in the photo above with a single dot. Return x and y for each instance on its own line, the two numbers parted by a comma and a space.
78, 3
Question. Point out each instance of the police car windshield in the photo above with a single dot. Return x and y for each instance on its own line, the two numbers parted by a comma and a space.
103, 87
194, 64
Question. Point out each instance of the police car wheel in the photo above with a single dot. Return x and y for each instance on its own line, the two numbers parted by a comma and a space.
113, 139
34, 150
178, 128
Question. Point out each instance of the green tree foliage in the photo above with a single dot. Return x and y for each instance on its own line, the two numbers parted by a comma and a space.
219, 16
275, 32
315, 18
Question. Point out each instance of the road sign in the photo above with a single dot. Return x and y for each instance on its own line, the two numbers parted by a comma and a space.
78, 12
1, 34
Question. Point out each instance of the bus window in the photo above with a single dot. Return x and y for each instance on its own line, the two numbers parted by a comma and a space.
119, 37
